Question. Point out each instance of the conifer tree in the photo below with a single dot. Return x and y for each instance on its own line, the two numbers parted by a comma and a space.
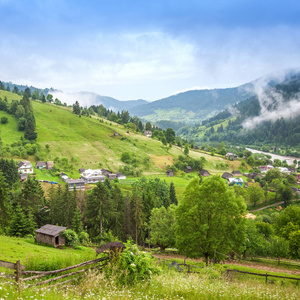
5, 204
173, 198
76, 222
19, 224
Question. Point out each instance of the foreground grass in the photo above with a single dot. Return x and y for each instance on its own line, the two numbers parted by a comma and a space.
168, 285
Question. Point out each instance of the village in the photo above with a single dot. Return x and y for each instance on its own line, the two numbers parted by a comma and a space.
86, 176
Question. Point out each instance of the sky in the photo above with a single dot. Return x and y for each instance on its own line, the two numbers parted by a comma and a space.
146, 49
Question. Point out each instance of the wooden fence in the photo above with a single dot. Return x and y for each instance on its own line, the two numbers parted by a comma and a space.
263, 275
37, 278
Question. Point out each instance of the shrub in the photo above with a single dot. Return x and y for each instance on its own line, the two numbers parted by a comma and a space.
84, 237
70, 236
131, 266
4, 120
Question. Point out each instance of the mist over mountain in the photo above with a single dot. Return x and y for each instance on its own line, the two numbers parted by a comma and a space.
271, 116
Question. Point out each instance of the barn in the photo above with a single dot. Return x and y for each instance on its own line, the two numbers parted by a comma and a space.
50, 234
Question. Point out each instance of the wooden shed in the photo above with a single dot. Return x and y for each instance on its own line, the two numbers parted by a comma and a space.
50, 234
188, 169
236, 173
170, 173
226, 175
204, 173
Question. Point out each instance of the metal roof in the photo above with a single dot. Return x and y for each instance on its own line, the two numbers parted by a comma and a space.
51, 230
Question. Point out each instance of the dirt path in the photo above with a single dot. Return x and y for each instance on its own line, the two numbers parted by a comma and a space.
274, 204
249, 264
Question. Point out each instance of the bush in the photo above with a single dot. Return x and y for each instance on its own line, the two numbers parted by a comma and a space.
4, 120
70, 236
131, 266
84, 237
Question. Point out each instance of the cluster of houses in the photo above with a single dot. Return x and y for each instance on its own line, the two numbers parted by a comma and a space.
87, 176
90, 176
25, 167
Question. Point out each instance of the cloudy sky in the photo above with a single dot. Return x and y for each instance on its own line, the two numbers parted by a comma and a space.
146, 49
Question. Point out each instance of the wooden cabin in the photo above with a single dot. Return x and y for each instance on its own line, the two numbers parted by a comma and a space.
204, 173
188, 169
170, 173
50, 234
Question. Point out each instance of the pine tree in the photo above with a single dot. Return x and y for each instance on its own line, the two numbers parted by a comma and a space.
19, 224
5, 204
173, 198
76, 222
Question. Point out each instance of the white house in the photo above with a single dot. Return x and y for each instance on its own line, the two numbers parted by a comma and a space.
92, 176
25, 166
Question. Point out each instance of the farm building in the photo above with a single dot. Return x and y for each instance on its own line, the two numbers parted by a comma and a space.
204, 173
236, 173
25, 167
120, 176
105, 172
50, 165
226, 175
231, 155
196, 148
170, 173
92, 176
148, 133
50, 234
188, 169
81, 170
112, 176
77, 183
41, 165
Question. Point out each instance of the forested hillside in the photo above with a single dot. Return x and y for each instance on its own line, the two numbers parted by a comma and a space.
270, 118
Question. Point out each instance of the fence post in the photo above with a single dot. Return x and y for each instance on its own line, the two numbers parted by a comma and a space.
19, 275
189, 269
266, 277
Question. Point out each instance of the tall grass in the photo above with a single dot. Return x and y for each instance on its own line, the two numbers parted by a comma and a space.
168, 285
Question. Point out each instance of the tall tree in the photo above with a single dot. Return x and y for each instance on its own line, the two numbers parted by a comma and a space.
98, 209
210, 219
173, 198
5, 204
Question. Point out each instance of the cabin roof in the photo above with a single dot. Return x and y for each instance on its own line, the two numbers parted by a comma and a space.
51, 230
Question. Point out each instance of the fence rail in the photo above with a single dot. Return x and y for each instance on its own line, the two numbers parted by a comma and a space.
263, 275
21, 277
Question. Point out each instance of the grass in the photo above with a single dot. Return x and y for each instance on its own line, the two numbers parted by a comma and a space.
38, 257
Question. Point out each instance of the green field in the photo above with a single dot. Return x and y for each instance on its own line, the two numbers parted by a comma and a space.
37, 257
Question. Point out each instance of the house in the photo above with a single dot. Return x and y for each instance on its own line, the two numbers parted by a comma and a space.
170, 173
253, 175
77, 183
265, 169
231, 155
226, 175
284, 170
196, 148
112, 176
50, 165
236, 173
148, 133
204, 173
233, 181
92, 176
188, 169
81, 170
41, 165
105, 172
25, 167
120, 176
23, 176
64, 177
50, 234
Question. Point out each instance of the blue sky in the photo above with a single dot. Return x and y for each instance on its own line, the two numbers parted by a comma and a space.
146, 49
